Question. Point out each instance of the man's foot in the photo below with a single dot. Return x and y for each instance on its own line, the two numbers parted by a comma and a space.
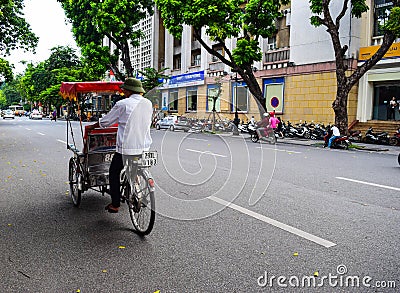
111, 209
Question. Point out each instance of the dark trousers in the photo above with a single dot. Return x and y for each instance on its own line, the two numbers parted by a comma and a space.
391, 113
114, 176
117, 164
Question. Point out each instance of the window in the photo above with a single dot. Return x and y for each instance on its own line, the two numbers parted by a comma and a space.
218, 48
240, 104
177, 61
191, 99
196, 58
271, 43
381, 15
177, 42
173, 101
211, 93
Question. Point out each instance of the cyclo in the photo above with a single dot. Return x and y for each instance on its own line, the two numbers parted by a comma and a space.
88, 168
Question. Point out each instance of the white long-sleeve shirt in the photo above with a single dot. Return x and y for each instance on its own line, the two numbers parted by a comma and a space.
133, 116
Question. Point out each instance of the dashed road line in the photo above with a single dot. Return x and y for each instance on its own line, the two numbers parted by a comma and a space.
206, 152
369, 183
275, 223
199, 139
41, 133
278, 150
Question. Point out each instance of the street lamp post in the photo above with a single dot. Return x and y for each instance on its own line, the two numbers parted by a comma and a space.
236, 120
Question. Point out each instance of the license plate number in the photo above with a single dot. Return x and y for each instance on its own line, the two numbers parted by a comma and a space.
149, 158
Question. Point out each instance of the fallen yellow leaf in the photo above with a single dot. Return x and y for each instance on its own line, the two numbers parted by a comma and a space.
316, 274
296, 254
121, 247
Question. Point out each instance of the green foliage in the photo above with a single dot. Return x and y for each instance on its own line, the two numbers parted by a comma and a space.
5, 70
15, 32
114, 19
246, 52
3, 100
393, 24
152, 78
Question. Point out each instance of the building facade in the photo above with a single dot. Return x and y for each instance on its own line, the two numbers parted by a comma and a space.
382, 82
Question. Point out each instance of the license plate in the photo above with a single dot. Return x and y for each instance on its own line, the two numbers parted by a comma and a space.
149, 158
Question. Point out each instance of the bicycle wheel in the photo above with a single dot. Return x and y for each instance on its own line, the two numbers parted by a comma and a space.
73, 175
141, 203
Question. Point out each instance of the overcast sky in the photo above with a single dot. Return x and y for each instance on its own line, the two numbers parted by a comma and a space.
47, 21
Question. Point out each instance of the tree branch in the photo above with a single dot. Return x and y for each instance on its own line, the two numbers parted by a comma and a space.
212, 51
342, 13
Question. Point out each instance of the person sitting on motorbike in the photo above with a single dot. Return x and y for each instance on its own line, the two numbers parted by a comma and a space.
263, 126
335, 135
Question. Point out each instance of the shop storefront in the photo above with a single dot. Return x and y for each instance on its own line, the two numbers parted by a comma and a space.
379, 85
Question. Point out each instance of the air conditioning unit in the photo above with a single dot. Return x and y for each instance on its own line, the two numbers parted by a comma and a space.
271, 46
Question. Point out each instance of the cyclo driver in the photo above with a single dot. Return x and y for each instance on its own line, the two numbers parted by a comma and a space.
133, 116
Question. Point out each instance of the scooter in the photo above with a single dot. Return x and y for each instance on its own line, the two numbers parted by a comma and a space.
270, 138
378, 138
355, 135
395, 139
244, 128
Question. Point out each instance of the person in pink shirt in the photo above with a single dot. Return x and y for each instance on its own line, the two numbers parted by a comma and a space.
273, 121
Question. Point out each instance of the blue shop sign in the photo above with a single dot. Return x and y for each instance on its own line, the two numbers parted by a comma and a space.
192, 78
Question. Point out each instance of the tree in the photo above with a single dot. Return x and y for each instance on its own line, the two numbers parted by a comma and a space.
114, 19
15, 32
344, 81
5, 70
222, 20
152, 78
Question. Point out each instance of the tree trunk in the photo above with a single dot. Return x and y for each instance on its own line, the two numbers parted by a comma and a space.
340, 108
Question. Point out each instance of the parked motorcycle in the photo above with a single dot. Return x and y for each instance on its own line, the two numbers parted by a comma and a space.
243, 127
300, 131
378, 138
355, 135
395, 139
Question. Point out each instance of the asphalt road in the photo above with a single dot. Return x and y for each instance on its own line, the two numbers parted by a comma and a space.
232, 216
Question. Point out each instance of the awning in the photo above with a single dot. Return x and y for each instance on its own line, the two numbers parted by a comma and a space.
69, 90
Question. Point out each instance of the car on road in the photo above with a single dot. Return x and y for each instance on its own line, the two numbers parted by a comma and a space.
36, 115
8, 114
166, 122
182, 123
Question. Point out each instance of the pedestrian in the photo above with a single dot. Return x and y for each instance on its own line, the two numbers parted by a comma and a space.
54, 116
392, 108
279, 129
133, 116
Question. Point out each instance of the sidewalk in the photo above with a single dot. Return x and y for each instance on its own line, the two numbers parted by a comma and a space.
361, 147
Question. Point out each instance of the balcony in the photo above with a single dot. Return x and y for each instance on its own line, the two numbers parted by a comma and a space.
277, 58
215, 68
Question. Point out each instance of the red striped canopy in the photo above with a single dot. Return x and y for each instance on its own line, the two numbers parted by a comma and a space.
69, 90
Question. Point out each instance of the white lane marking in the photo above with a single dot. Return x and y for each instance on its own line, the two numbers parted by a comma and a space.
369, 183
200, 139
287, 228
206, 152
59, 140
27, 128
41, 133
278, 150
